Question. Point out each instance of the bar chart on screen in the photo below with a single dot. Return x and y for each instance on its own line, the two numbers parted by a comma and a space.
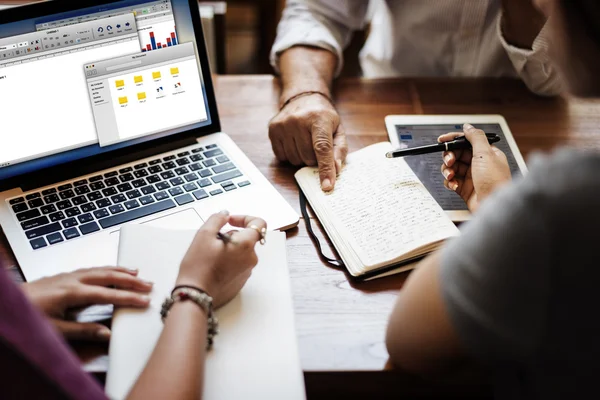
158, 36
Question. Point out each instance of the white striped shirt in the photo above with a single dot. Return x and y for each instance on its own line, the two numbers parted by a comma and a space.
459, 38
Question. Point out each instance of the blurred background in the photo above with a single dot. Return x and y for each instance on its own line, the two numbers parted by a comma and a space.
240, 34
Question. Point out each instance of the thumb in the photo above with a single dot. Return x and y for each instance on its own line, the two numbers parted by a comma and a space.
478, 140
82, 331
340, 147
322, 137
216, 222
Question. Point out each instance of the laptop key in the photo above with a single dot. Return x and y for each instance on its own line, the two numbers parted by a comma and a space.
140, 166
200, 194
59, 216
124, 187
17, 208
141, 173
244, 184
103, 203
89, 207
209, 163
67, 194
182, 171
185, 199
138, 183
118, 198
190, 187
69, 223
183, 161
147, 200
127, 177
101, 213
163, 185
17, 201
33, 196
48, 209
205, 173
55, 238
216, 192
167, 175
48, 192
63, 205
211, 146
230, 188
125, 170
213, 153
118, 208
169, 158
176, 191
82, 190
65, 187
43, 231
35, 203
169, 165
24, 216
134, 194
96, 178
53, 198
97, 186
155, 162
111, 174
198, 150
137, 213
223, 168
196, 167
38, 243
223, 159
227, 176
153, 179
205, 182
185, 153
85, 218
112, 182
34, 223
89, 228
79, 200
161, 196
94, 196
155, 170
191, 177
196, 158
80, 183
177, 181
71, 233
130, 205
148, 190
109, 192
73, 212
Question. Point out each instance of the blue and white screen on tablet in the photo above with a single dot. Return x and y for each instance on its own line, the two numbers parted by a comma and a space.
428, 167
93, 80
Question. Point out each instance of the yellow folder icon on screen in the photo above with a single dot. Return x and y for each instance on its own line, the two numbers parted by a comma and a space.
141, 96
138, 79
156, 75
123, 100
174, 71
120, 83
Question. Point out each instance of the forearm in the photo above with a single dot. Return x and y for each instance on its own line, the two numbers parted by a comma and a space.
521, 22
306, 69
176, 368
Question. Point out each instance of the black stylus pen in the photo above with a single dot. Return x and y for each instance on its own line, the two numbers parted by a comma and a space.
457, 144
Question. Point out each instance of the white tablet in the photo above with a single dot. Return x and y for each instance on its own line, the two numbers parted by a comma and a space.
418, 130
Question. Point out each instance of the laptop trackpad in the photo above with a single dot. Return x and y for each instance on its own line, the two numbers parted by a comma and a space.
183, 220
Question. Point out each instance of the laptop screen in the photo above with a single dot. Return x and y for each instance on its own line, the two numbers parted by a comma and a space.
94, 80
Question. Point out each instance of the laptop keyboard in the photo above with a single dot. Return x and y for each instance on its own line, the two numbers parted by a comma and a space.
86, 206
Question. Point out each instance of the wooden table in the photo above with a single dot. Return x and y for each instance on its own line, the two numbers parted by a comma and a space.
340, 324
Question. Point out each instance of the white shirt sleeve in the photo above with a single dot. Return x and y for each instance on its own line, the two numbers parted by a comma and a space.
534, 66
327, 24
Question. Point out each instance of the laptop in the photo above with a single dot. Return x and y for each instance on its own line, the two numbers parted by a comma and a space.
110, 118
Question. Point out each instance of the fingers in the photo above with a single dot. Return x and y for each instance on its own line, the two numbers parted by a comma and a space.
304, 147
87, 294
215, 223
340, 148
458, 169
291, 151
478, 140
322, 138
249, 235
453, 184
82, 331
276, 135
447, 137
119, 277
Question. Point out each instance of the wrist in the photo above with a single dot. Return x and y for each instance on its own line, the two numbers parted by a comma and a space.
195, 280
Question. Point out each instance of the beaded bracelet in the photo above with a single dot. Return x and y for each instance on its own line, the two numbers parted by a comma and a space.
202, 299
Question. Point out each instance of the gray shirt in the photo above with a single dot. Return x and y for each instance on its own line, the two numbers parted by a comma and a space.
522, 283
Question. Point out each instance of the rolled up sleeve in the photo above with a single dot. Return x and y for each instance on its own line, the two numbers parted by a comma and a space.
534, 65
326, 24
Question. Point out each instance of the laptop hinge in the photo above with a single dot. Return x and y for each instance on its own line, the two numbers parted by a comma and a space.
62, 173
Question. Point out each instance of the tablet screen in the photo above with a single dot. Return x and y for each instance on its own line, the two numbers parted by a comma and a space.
427, 167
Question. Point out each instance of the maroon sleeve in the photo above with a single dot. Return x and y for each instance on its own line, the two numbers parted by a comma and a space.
35, 361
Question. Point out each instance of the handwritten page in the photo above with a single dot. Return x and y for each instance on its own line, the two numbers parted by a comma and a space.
379, 208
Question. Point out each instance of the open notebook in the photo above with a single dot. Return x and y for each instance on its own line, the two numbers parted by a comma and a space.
380, 217
255, 355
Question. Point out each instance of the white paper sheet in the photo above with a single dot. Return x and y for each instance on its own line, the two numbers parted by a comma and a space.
255, 356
